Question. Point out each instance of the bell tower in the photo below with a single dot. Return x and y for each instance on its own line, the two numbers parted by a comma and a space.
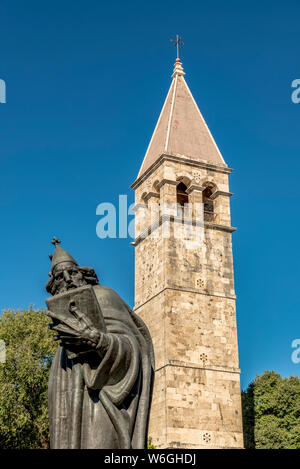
184, 284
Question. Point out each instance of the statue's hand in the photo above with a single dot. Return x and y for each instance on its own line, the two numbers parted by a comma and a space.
75, 330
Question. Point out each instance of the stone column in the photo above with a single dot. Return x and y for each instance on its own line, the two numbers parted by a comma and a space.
196, 201
222, 207
168, 197
141, 219
168, 204
152, 200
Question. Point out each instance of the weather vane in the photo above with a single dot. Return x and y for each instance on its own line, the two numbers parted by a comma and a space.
177, 43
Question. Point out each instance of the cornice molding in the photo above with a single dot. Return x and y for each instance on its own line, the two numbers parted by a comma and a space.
194, 187
174, 219
184, 289
178, 159
150, 195
222, 193
167, 181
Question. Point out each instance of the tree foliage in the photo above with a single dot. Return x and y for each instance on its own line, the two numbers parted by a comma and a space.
24, 379
150, 445
271, 412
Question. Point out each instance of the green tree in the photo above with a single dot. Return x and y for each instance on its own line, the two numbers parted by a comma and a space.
150, 445
271, 412
24, 379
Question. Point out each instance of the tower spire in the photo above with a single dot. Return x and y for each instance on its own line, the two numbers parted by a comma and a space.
181, 128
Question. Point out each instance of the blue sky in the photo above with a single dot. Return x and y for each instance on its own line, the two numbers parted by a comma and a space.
85, 84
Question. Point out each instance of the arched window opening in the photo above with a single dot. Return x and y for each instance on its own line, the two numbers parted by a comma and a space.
208, 204
182, 196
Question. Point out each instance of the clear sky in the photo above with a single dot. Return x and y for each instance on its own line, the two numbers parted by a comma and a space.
85, 84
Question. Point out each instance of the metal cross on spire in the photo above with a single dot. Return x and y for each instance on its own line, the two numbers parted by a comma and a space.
55, 241
177, 42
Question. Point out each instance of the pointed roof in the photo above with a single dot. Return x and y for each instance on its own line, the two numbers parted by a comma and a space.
181, 129
60, 255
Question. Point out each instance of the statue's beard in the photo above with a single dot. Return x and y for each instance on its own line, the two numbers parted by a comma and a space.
70, 286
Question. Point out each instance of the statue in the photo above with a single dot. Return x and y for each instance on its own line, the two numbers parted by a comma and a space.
101, 378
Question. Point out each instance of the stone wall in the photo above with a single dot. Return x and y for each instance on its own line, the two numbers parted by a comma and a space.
185, 294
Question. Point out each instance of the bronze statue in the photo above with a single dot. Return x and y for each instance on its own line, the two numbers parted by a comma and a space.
101, 378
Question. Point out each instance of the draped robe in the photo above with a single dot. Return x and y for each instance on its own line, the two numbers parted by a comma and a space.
102, 399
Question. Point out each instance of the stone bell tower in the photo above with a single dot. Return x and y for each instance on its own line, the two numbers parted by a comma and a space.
184, 285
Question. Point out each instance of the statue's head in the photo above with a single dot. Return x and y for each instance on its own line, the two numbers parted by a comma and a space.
66, 274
